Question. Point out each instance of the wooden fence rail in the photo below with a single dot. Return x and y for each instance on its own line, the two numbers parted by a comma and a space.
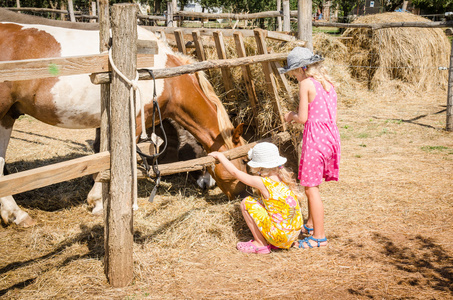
443, 24
265, 14
226, 32
43, 176
100, 78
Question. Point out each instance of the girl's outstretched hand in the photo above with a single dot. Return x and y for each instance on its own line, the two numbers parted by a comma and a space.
217, 155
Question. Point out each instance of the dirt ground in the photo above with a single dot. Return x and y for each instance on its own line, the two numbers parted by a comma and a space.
388, 220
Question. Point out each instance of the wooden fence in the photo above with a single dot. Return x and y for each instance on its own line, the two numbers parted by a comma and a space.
117, 266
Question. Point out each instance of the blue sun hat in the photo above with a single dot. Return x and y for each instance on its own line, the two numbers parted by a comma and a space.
265, 155
299, 57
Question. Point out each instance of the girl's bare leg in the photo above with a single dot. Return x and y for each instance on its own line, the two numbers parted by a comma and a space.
259, 241
316, 213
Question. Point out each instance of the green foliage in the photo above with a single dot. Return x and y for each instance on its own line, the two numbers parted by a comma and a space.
434, 6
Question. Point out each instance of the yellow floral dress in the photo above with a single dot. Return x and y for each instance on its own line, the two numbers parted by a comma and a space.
278, 218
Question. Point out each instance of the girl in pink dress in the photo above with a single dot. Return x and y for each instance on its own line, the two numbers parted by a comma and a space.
320, 155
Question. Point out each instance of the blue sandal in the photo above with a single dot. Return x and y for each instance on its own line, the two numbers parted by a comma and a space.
308, 229
307, 241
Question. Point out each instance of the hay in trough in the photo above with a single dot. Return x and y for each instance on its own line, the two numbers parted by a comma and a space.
241, 111
405, 57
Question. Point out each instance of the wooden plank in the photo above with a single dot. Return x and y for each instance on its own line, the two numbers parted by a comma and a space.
226, 32
199, 48
304, 23
118, 218
279, 18
100, 163
286, 16
59, 172
61, 66
170, 14
269, 79
226, 74
247, 75
200, 163
442, 24
104, 133
195, 67
71, 10
180, 41
43, 176
264, 14
282, 78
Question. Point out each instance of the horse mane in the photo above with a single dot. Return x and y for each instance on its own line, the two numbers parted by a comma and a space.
225, 126
9, 16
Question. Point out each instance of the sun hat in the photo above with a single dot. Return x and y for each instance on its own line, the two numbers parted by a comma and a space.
299, 57
265, 155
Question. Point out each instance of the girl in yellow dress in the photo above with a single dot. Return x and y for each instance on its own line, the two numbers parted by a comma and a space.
275, 217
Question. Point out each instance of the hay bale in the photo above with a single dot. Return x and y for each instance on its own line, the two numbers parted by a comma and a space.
406, 57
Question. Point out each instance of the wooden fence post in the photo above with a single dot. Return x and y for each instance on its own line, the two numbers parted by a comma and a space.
226, 74
104, 39
179, 37
170, 11
93, 11
63, 15
247, 75
286, 16
279, 19
304, 22
270, 81
119, 217
198, 42
199, 48
71, 10
449, 125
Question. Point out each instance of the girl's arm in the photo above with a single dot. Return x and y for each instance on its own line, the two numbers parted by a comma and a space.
250, 180
307, 94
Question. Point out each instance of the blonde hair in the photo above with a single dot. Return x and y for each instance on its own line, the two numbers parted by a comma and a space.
285, 174
320, 73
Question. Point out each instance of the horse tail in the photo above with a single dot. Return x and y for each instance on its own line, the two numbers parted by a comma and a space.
225, 126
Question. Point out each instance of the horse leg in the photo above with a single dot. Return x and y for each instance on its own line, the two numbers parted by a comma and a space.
10, 211
94, 197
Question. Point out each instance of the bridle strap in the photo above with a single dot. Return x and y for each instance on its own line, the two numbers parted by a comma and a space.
154, 157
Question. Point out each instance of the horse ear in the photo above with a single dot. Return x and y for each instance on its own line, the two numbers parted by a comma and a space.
237, 133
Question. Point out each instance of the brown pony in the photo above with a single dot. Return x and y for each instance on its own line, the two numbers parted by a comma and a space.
73, 102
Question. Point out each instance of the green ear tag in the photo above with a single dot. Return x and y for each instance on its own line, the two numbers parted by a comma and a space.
53, 69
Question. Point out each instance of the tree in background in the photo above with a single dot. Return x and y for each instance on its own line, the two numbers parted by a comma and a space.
434, 6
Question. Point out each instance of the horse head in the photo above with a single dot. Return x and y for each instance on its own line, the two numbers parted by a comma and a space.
191, 101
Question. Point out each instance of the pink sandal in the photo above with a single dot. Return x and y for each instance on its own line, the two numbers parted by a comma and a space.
249, 247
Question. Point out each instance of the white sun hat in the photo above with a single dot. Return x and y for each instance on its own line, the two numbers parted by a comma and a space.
265, 155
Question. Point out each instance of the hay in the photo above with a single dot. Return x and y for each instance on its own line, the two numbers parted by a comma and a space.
407, 58
361, 61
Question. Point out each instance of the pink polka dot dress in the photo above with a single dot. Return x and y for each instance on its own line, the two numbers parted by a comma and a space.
320, 155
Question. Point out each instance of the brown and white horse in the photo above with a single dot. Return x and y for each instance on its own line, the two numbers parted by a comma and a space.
73, 102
